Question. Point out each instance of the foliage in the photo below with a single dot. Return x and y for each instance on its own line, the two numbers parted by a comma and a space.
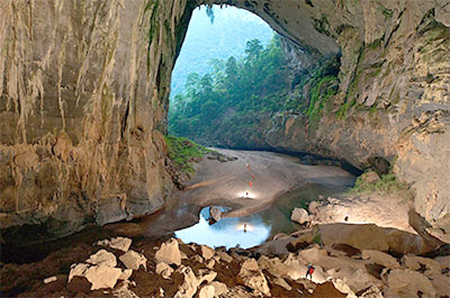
183, 152
233, 97
224, 37
387, 184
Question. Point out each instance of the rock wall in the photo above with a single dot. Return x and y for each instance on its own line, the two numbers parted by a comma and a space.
84, 91
394, 94
84, 95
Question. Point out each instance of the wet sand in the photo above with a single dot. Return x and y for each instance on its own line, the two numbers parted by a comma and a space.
226, 184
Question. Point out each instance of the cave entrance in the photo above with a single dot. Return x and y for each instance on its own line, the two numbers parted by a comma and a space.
228, 79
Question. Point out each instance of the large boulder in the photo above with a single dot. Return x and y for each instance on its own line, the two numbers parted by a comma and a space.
164, 270
381, 258
133, 260
251, 276
99, 276
169, 253
215, 213
300, 215
420, 263
119, 243
103, 257
190, 283
408, 283
207, 252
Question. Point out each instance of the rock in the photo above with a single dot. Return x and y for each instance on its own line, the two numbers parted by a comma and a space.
190, 283
207, 292
207, 252
342, 287
371, 237
126, 274
100, 276
372, 292
282, 283
219, 287
198, 258
103, 257
164, 270
408, 283
300, 215
169, 253
123, 291
440, 282
50, 279
249, 265
370, 177
210, 264
444, 262
420, 263
215, 213
380, 258
224, 256
119, 243
250, 276
313, 206
206, 275
133, 260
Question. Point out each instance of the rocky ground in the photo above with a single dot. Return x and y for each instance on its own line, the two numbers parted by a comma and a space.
121, 267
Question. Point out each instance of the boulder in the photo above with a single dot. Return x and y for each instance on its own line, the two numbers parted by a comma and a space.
103, 257
119, 243
313, 206
444, 262
250, 276
207, 252
133, 260
190, 283
300, 215
164, 270
408, 283
372, 292
207, 292
169, 253
381, 258
198, 258
215, 213
210, 264
206, 275
282, 283
126, 274
99, 276
420, 263
224, 256
219, 287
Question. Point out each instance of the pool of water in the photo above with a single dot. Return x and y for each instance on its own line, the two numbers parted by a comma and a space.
259, 227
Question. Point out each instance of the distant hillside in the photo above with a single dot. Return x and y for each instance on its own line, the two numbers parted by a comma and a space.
227, 36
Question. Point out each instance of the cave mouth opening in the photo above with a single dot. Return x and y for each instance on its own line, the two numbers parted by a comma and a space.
228, 79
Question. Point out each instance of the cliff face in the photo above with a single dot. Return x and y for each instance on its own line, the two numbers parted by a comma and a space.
393, 99
84, 96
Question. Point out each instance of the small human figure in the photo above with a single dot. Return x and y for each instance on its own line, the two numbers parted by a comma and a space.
250, 184
309, 271
245, 228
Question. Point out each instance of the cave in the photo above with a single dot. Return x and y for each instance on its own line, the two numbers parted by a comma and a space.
85, 90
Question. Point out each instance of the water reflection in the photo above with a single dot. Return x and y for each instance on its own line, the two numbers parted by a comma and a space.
229, 231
